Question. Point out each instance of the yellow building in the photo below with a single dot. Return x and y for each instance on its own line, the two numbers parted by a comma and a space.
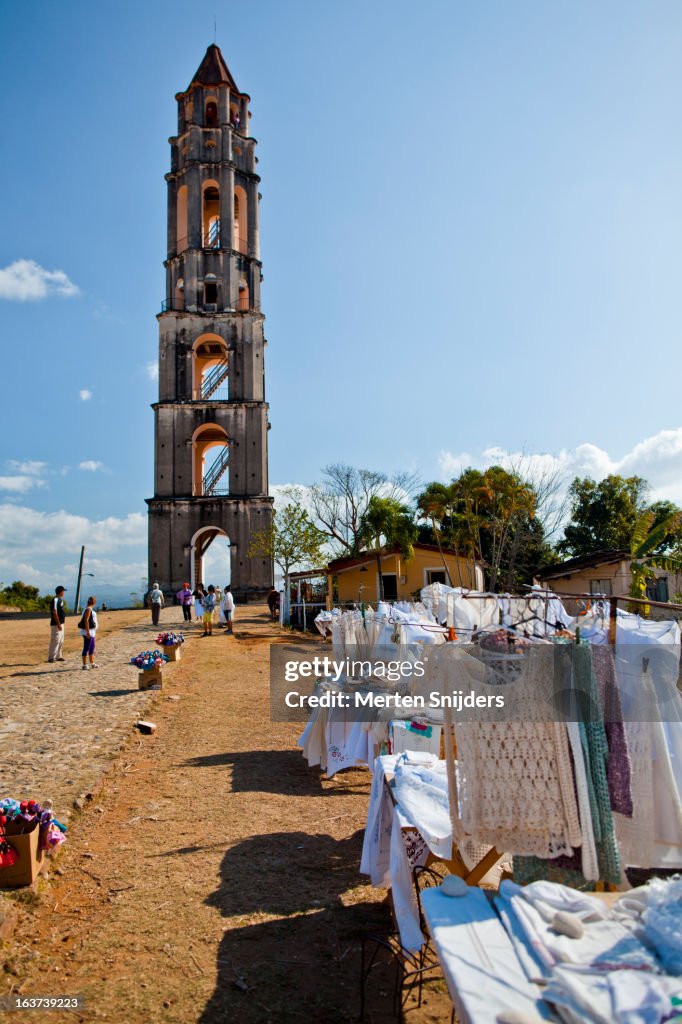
357, 579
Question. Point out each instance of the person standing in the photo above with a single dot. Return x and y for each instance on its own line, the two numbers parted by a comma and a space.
57, 619
228, 607
184, 596
209, 606
273, 603
156, 603
199, 596
88, 629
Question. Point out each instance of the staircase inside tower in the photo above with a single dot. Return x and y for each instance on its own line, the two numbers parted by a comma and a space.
215, 473
214, 378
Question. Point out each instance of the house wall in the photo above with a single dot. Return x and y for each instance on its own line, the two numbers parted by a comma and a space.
348, 581
618, 573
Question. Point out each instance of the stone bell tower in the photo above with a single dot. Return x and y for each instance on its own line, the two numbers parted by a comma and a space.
211, 419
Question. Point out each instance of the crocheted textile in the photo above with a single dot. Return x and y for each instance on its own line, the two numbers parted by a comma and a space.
569, 870
515, 786
619, 770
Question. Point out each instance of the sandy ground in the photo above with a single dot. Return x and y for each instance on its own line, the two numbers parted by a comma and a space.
215, 877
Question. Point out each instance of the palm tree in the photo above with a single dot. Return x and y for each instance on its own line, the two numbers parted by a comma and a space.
437, 504
648, 550
387, 525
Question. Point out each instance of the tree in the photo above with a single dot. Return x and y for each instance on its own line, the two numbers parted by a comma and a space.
340, 501
603, 515
654, 534
497, 510
387, 524
490, 515
24, 597
292, 540
437, 504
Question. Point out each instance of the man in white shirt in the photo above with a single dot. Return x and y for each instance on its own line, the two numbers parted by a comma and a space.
156, 603
228, 607
57, 619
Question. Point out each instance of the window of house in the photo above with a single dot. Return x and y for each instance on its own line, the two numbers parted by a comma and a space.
601, 587
657, 590
435, 576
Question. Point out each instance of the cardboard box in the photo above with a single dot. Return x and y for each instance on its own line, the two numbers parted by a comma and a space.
151, 678
173, 652
30, 861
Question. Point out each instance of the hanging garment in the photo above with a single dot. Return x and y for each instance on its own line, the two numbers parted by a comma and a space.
573, 666
515, 787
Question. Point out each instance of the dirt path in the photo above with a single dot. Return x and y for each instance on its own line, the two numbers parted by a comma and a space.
218, 881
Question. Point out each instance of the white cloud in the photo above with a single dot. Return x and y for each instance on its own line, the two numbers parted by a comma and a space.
30, 467
20, 484
85, 394
23, 476
91, 465
23, 531
657, 458
153, 371
27, 281
116, 548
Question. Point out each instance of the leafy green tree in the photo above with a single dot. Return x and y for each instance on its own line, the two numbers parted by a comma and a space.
602, 515
292, 541
650, 544
606, 515
437, 503
496, 513
490, 515
25, 597
387, 524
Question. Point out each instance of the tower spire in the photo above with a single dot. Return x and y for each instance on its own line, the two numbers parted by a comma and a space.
213, 70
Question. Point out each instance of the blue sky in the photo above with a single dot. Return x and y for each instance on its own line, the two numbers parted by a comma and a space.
471, 232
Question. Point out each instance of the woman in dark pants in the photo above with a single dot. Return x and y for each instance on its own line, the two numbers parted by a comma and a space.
88, 630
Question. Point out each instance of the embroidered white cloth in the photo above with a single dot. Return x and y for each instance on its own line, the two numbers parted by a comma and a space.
582, 994
421, 790
606, 941
481, 970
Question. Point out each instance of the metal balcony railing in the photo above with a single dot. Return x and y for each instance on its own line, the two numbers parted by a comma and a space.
215, 473
214, 378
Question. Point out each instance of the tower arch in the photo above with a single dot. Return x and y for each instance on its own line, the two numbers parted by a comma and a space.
204, 540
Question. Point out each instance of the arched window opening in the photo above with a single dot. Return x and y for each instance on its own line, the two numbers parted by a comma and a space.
211, 114
243, 302
210, 451
180, 294
240, 242
211, 217
181, 230
234, 116
210, 370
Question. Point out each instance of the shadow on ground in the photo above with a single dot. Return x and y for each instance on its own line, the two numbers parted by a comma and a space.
283, 893
276, 771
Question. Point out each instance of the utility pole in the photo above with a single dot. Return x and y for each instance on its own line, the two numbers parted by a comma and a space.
80, 576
